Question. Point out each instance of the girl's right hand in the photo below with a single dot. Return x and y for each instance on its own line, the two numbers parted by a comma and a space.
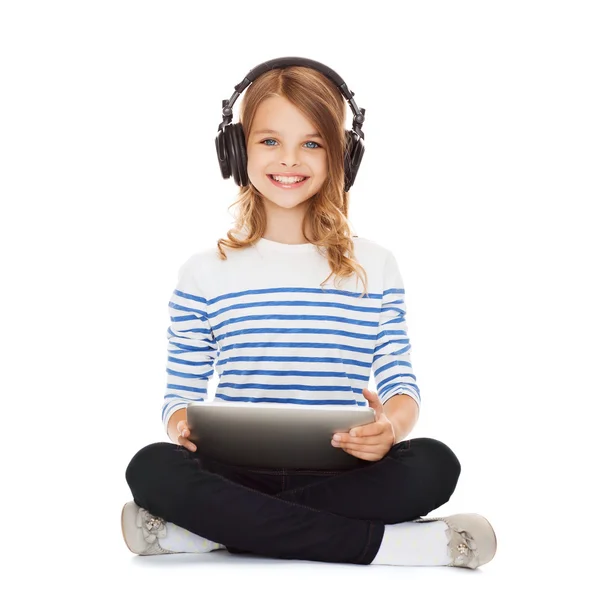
184, 434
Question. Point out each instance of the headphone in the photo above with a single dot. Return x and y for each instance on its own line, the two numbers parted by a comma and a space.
230, 142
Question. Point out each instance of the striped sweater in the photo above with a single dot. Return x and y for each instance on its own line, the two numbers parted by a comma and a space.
274, 334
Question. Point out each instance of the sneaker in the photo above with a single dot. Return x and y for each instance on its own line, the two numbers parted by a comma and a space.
471, 539
141, 530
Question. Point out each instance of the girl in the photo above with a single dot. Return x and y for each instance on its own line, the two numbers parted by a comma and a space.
281, 336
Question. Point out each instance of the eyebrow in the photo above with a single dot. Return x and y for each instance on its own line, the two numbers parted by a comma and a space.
315, 135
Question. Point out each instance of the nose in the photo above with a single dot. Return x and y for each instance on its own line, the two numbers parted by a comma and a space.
288, 158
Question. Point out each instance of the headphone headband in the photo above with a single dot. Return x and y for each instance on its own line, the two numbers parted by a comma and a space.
293, 61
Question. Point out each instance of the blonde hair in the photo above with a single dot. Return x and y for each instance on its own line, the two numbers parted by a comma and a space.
320, 101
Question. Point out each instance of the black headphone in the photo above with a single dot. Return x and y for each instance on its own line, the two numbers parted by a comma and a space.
230, 142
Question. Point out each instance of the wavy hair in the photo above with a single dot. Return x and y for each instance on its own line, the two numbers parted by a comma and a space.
320, 101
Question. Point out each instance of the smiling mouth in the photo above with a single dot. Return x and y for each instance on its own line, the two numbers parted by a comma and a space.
292, 185
273, 177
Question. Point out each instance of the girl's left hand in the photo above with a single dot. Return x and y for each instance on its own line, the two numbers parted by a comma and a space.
370, 442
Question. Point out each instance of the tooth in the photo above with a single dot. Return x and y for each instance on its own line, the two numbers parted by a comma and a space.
288, 180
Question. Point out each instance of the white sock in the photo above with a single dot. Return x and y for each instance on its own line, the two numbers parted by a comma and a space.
179, 539
414, 544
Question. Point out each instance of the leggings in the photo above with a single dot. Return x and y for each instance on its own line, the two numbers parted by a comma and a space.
327, 516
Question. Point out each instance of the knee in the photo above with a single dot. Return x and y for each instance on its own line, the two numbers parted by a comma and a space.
146, 461
441, 459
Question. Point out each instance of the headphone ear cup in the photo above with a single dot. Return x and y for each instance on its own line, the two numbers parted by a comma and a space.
222, 154
355, 149
241, 158
231, 152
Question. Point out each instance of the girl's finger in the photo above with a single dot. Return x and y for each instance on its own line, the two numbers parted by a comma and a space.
186, 444
358, 447
191, 447
364, 455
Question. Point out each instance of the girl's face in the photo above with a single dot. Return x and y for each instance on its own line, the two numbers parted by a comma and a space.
288, 148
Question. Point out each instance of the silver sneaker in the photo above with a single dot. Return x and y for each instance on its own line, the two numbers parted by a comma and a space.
471, 539
142, 530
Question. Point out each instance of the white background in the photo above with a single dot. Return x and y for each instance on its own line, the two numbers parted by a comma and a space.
481, 174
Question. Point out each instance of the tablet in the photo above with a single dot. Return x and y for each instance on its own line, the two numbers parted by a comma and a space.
262, 435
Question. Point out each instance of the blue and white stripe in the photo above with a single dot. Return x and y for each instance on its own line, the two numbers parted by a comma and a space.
287, 345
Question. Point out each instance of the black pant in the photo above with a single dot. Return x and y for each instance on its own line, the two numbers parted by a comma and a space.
328, 516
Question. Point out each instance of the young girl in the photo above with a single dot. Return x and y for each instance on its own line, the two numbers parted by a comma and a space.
284, 333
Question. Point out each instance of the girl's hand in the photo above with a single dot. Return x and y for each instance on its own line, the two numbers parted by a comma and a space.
184, 433
370, 442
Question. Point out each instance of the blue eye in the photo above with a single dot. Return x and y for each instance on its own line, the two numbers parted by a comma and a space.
309, 142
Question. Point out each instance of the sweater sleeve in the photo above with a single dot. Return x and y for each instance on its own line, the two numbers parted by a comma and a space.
192, 348
392, 369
